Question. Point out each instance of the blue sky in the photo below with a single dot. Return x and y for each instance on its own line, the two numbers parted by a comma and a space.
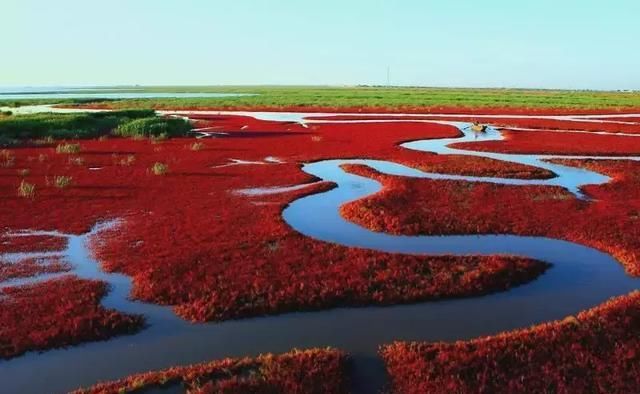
551, 44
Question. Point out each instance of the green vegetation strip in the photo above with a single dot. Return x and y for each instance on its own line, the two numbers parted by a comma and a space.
154, 127
128, 123
377, 97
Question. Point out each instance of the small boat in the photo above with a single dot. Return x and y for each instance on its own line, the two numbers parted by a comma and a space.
478, 128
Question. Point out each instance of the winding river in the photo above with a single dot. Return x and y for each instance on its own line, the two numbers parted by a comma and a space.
581, 277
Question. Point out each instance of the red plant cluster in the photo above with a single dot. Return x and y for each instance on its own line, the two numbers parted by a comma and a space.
299, 371
556, 142
419, 206
188, 225
376, 141
187, 240
30, 267
57, 313
290, 272
539, 124
596, 351
367, 278
479, 166
31, 243
553, 124
387, 116
608, 125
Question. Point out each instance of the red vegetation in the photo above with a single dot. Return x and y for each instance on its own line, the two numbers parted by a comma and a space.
31, 267
276, 280
372, 140
608, 125
364, 278
308, 371
185, 233
595, 352
479, 166
552, 124
419, 206
31, 243
188, 241
386, 116
57, 313
557, 142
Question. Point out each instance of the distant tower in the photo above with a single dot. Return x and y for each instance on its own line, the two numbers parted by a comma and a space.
388, 75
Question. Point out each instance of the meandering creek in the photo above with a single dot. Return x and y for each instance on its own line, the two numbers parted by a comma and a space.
581, 277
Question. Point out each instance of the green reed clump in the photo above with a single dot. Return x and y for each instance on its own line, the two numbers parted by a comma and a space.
68, 148
159, 168
154, 127
26, 189
62, 181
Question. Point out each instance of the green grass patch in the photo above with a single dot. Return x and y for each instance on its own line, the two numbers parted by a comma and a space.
26, 189
65, 126
381, 97
47, 127
154, 127
159, 168
68, 149
61, 181
362, 97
